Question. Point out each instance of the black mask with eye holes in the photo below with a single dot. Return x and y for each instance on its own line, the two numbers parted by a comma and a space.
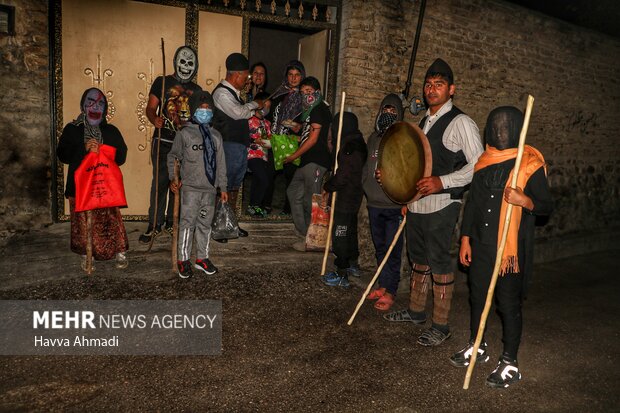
503, 127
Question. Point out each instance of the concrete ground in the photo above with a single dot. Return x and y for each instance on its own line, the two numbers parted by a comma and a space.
286, 345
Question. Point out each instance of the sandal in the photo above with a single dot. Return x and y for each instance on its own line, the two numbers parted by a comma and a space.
376, 294
406, 316
385, 303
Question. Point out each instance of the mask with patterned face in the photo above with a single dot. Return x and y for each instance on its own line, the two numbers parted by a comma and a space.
385, 120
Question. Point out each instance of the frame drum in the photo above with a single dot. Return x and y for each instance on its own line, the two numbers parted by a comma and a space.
404, 158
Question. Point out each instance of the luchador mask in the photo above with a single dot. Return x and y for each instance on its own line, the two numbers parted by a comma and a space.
185, 64
93, 106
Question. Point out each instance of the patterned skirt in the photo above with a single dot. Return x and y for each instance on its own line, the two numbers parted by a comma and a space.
109, 235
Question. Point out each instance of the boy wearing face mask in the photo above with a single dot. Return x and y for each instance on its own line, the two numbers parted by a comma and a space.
200, 150
483, 221
383, 213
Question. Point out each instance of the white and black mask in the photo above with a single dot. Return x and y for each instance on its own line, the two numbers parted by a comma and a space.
185, 64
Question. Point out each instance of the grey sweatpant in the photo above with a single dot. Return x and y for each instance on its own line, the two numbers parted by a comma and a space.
306, 181
197, 209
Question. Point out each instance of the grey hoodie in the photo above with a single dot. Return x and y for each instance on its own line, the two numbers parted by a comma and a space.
187, 148
375, 196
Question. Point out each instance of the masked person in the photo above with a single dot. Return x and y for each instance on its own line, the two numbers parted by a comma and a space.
86, 134
384, 214
483, 222
200, 150
168, 118
455, 145
347, 182
231, 119
314, 154
287, 112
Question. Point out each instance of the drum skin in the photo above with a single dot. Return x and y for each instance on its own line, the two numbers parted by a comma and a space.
404, 157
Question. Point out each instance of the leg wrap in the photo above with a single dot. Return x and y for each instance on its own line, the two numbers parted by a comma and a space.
443, 287
420, 279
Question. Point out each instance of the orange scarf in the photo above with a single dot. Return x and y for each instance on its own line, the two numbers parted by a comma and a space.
531, 161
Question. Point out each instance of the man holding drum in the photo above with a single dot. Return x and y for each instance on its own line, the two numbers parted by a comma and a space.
455, 144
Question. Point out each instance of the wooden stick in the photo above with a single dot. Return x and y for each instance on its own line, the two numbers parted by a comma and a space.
502, 245
333, 206
161, 113
89, 242
175, 218
374, 279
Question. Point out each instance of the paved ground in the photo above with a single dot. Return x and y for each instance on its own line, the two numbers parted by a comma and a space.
286, 345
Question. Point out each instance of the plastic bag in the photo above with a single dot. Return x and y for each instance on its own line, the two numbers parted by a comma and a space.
99, 181
283, 146
225, 224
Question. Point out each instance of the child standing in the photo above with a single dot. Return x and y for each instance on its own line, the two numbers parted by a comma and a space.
347, 182
203, 169
262, 172
482, 223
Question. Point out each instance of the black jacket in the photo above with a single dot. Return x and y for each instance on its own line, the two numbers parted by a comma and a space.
71, 149
348, 178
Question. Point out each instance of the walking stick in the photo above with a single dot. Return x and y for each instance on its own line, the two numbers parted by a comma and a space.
333, 206
89, 242
161, 112
502, 245
175, 218
374, 279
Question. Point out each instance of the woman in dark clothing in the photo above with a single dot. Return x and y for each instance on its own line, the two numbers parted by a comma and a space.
84, 135
483, 221
347, 182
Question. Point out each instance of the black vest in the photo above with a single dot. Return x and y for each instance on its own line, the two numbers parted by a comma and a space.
444, 160
232, 130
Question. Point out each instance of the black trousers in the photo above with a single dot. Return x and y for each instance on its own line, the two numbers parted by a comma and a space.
344, 239
261, 178
508, 296
164, 215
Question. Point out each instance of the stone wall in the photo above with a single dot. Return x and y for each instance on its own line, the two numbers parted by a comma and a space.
25, 119
499, 52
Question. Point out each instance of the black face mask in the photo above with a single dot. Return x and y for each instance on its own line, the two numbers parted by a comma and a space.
385, 121
503, 127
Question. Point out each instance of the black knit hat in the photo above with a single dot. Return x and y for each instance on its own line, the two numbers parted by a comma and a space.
440, 68
198, 98
236, 62
349, 124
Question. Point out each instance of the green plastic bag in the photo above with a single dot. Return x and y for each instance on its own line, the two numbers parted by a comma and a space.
283, 146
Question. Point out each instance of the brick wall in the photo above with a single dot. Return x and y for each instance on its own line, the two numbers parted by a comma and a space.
499, 52
25, 120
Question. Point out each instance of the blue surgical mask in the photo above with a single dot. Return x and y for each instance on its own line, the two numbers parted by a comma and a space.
203, 115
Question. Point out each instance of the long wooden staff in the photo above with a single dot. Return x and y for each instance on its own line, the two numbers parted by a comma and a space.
89, 242
175, 218
502, 245
333, 207
161, 113
374, 279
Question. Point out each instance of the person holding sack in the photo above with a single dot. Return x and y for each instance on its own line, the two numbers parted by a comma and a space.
200, 150
85, 135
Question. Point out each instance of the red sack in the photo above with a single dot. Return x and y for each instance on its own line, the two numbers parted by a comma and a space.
99, 181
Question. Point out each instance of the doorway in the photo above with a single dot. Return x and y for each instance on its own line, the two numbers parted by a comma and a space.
275, 45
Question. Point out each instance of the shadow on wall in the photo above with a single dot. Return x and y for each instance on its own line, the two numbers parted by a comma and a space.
25, 186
